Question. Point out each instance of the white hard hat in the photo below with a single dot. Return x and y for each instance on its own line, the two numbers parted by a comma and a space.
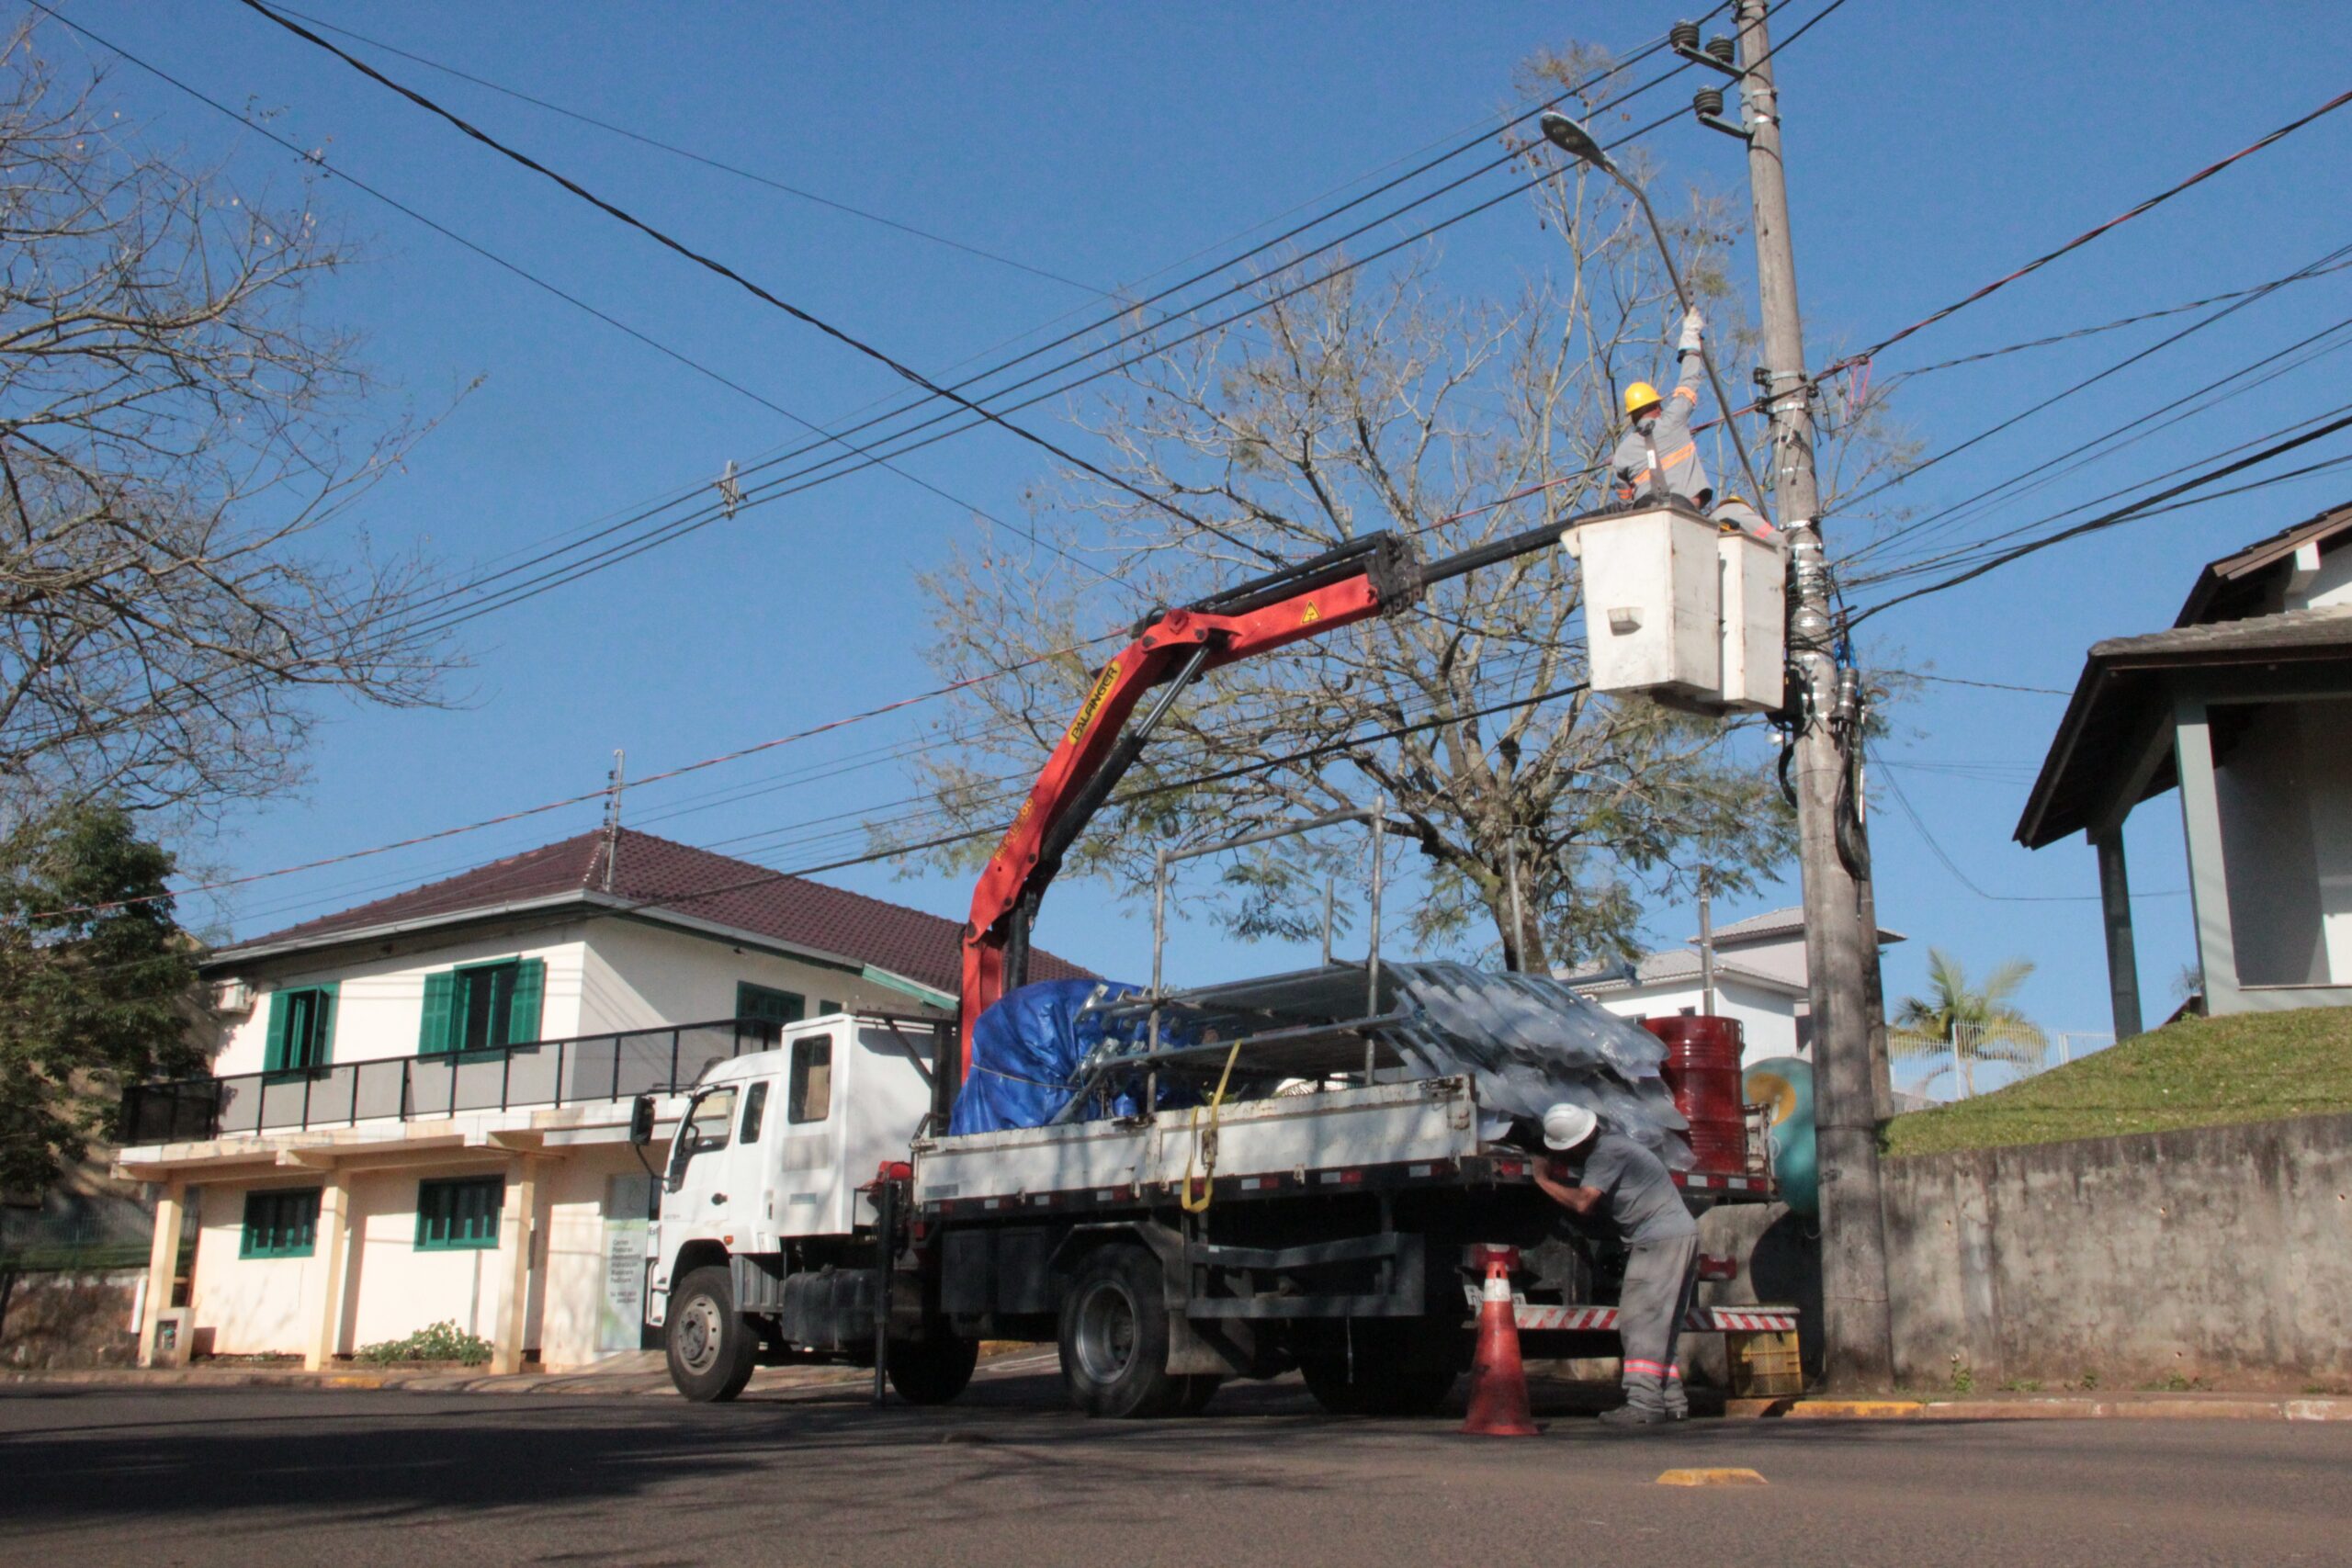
1565, 1126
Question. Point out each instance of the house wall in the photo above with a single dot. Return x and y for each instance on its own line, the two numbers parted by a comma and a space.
392, 1289
380, 1004
1767, 1019
602, 975
2285, 802
251, 1306
637, 975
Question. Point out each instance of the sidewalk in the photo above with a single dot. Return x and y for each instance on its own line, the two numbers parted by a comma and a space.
2052, 1407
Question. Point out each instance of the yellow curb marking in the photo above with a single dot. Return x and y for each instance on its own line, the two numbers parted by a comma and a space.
1866, 1409
1711, 1478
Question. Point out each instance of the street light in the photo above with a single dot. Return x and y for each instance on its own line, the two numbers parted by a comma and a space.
1572, 139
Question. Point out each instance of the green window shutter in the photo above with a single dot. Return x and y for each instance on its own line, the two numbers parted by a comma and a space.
330, 1001
523, 1011
274, 1055
434, 1033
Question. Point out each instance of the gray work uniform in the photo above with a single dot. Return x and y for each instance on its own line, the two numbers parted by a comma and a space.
1662, 1241
1666, 449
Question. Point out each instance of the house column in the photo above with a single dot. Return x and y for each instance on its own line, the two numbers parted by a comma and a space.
328, 1248
517, 1243
162, 1264
2115, 908
2209, 885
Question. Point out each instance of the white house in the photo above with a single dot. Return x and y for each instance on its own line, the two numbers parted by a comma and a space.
419, 1113
1760, 980
2241, 705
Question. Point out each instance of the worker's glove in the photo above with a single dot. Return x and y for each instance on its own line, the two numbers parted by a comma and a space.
1693, 325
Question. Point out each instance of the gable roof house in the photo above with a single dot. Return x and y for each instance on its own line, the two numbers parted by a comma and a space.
1760, 979
419, 1109
2242, 706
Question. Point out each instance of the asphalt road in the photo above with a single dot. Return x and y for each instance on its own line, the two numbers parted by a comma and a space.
251, 1477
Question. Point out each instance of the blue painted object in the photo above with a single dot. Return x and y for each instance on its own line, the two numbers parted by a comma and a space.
1785, 1083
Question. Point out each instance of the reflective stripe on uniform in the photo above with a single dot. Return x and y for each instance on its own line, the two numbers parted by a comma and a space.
1648, 1368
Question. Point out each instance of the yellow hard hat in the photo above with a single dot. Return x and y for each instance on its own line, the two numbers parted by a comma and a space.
1639, 396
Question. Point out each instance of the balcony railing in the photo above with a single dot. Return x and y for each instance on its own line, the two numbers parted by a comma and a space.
412, 1089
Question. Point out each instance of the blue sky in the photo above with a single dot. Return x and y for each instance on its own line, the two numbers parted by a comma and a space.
1930, 148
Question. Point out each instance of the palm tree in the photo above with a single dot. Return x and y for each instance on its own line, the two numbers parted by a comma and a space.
1977, 1023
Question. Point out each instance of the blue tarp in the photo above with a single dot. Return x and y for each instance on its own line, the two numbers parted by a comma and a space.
1026, 1054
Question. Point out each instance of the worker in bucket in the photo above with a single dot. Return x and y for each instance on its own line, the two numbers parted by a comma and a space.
1657, 457
1597, 1174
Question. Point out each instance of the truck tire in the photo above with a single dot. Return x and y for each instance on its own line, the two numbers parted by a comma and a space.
712, 1349
1401, 1367
1199, 1389
1115, 1336
932, 1371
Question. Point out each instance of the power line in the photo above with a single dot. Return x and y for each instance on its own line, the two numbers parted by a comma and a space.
2084, 238
2120, 515
319, 161
1989, 685
1919, 823
2332, 258
691, 155
721, 269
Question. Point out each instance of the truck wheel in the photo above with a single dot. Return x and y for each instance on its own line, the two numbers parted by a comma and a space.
932, 1371
1199, 1389
1400, 1367
712, 1349
1115, 1336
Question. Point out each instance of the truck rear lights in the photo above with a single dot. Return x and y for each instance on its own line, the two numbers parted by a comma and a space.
1718, 1268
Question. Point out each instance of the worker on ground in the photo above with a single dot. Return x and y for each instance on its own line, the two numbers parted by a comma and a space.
1606, 1175
1657, 457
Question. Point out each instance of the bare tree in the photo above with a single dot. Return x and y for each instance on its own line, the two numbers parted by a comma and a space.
1372, 402
176, 434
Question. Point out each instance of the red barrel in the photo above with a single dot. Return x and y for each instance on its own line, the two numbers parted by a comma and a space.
1701, 1067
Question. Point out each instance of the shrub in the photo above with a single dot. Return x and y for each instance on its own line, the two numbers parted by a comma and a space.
435, 1342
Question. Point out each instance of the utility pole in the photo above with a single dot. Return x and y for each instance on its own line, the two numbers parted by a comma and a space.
617, 782
1839, 948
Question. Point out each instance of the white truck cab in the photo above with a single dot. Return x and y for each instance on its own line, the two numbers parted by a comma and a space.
762, 1192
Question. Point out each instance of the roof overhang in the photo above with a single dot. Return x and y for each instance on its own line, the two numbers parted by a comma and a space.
2113, 749
556, 909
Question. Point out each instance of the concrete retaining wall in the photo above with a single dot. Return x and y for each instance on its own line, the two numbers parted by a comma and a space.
2220, 1253
2216, 1253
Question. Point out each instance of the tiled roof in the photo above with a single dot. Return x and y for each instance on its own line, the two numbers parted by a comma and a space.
2243, 584
658, 874
1779, 922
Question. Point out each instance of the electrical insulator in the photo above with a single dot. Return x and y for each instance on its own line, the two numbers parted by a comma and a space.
1708, 100
1683, 35
1722, 49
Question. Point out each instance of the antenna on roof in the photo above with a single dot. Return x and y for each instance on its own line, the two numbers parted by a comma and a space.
613, 816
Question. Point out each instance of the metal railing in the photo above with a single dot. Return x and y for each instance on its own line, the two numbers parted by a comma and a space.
408, 1088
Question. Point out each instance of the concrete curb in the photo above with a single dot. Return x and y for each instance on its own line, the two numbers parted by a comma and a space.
2154, 1407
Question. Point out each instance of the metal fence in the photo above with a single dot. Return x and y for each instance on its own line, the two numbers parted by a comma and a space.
408, 1088
1972, 1058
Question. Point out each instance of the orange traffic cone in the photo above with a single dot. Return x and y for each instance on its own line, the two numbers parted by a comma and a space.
1497, 1382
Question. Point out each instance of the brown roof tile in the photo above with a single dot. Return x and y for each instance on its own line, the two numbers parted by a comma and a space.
660, 874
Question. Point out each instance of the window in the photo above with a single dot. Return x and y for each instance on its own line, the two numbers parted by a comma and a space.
767, 1005
301, 1029
825, 1008
756, 1107
281, 1222
708, 1120
479, 1007
458, 1213
812, 1079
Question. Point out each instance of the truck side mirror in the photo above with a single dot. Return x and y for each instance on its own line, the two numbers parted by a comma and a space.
641, 1121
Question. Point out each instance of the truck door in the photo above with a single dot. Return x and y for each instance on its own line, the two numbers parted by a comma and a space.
808, 1176
700, 1185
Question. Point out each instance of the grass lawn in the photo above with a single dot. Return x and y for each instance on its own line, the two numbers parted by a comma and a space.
2196, 1073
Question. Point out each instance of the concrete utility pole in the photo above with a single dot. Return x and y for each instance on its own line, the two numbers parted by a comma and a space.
1841, 949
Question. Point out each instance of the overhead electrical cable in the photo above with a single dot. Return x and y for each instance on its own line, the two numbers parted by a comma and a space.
2078, 241
318, 161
